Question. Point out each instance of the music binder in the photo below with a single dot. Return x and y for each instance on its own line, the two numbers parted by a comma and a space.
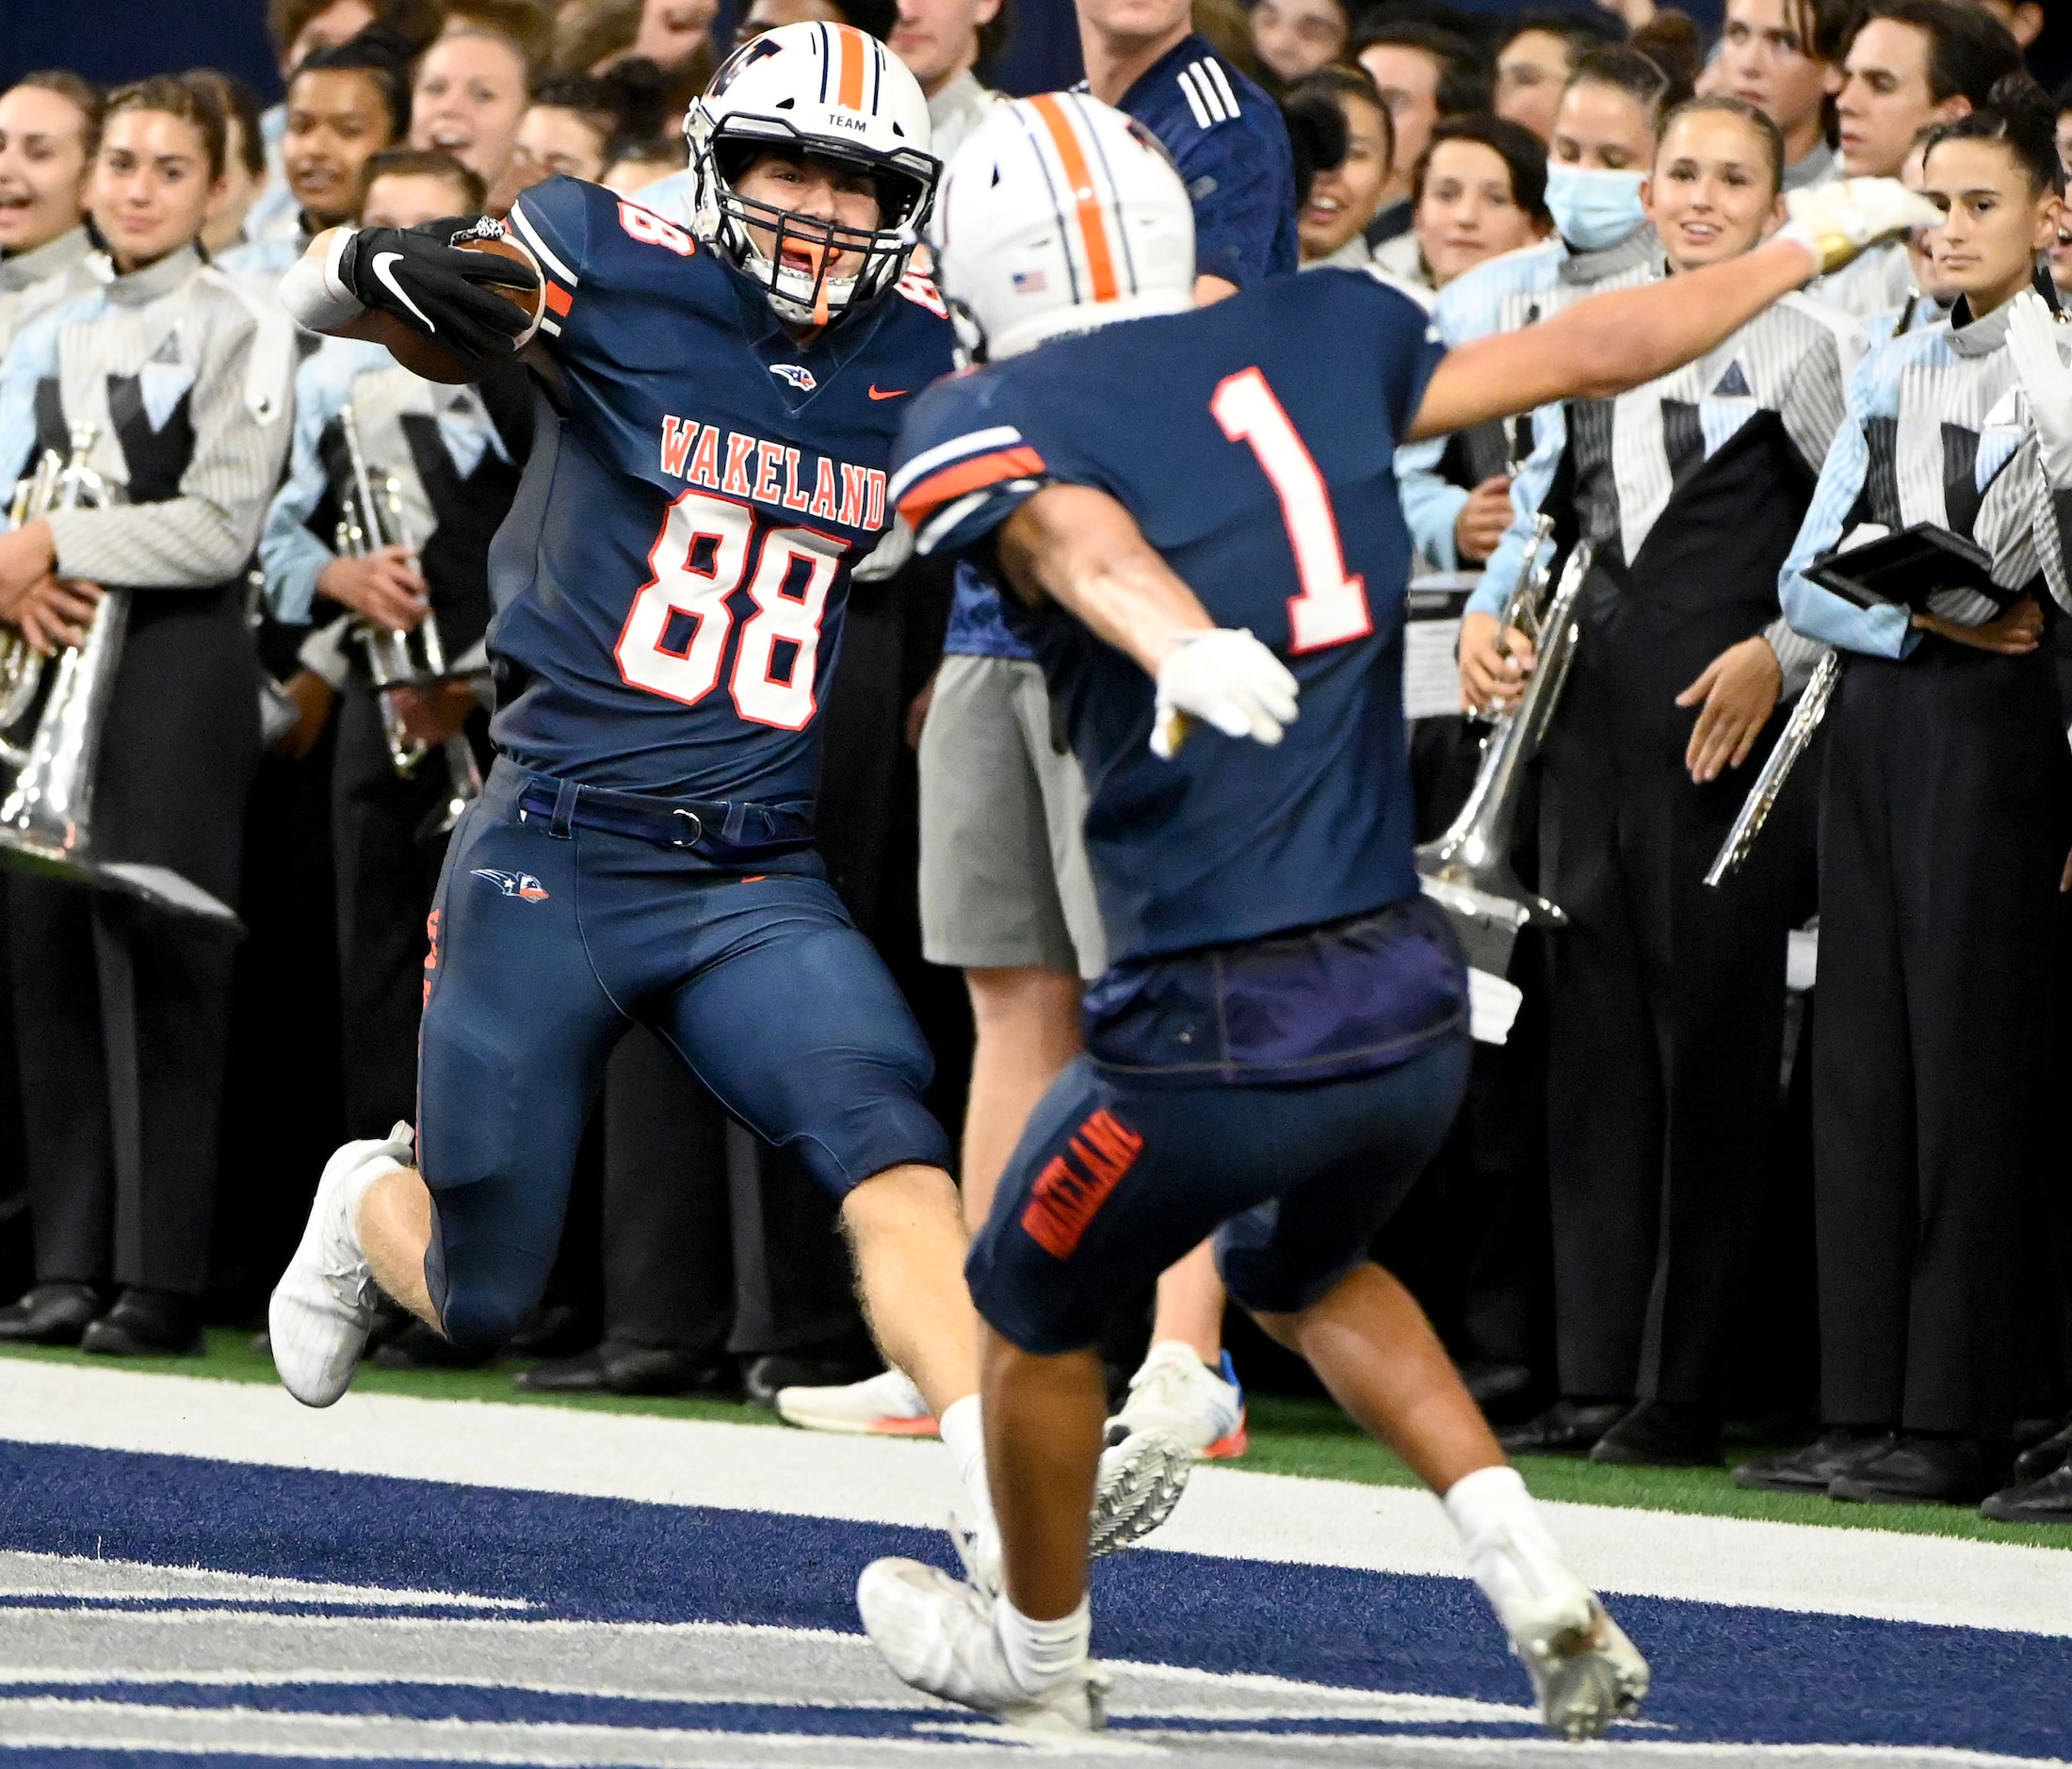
1904, 569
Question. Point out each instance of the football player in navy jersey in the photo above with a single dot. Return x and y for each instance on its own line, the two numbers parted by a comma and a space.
1196, 516
717, 412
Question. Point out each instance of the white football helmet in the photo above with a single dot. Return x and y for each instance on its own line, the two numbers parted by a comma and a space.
836, 93
1061, 214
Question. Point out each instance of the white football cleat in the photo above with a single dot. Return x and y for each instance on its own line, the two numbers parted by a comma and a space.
323, 1307
1139, 1481
1585, 1671
938, 1633
1136, 1487
887, 1405
1178, 1394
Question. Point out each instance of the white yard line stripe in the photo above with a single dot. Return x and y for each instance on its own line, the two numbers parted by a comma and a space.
1227, 1512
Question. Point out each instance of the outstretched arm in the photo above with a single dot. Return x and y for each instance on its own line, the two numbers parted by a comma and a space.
432, 305
1604, 345
1084, 551
1601, 347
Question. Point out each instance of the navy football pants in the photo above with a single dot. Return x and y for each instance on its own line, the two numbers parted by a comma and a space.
1112, 1182
545, 947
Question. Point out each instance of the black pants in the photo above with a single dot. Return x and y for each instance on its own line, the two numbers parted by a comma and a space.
1945, 814
1667, 1013
123, 1010
387, 871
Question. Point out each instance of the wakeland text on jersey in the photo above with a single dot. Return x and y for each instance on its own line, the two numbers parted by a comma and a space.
768, 473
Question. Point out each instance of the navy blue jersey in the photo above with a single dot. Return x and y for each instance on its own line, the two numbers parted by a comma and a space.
1227, 139
672, 579
1261, 466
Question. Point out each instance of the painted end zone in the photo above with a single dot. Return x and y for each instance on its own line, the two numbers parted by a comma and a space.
421, 1621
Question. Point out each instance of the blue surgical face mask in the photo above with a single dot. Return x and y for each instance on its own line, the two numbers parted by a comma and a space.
1592, 209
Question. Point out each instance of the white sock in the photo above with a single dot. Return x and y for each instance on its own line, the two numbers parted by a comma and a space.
965, 1438
1040, 1653
1516, 1562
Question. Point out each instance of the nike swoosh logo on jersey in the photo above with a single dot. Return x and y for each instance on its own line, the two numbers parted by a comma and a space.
895, 393
381, 262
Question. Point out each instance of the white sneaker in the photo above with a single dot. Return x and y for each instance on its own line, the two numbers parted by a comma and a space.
1178, 1394
888, 1405
1585, 1671
938, 1633
323, 1305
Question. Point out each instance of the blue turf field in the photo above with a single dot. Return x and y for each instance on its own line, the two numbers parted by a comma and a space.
576, 1585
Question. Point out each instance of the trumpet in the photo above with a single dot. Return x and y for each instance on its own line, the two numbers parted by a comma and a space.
1468, 869
371, 518
1527, 602
46, 818
1776, 769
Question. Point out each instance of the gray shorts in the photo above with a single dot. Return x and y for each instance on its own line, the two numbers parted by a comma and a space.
1004, 879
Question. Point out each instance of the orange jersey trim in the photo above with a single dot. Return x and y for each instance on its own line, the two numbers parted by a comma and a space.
924, 498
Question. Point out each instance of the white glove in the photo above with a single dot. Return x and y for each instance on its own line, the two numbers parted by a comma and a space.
1837, 221
1230, 679
2047, 382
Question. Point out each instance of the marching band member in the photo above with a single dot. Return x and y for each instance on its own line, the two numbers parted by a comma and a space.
122, 1011
453, 453
1946, 809
1604, 140
1784, 57
50, 126
345, 104
1667, 997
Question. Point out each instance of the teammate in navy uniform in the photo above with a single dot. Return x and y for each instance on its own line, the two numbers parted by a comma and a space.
709, 460
1196, 514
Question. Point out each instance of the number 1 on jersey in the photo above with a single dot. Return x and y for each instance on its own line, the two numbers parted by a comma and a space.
1331, 605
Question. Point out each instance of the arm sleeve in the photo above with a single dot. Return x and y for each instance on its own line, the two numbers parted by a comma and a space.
1242, 186
292, 558
960, 468
205, 534
1432, 503
1529, 491
2053, 511
1816, 406
32, 358
552, 220
1817, 613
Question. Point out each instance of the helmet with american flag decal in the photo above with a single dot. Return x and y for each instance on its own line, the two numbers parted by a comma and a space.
830, 93
1061, 214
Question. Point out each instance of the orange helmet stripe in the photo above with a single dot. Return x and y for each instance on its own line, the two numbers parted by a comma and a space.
1100, 261
854, 49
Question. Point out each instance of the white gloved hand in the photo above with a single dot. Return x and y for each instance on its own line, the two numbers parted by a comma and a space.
2047, 382
1837, 221
1226, 677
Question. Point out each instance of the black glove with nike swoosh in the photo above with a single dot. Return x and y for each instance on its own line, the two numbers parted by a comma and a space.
419, 276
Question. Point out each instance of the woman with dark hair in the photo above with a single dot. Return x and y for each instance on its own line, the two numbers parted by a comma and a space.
123, 1006
1294, 39
50, 129
1946, 809
1344, 197
345, 104
1478, 191
1667, 996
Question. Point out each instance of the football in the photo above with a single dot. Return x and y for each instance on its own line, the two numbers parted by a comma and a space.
526, 300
